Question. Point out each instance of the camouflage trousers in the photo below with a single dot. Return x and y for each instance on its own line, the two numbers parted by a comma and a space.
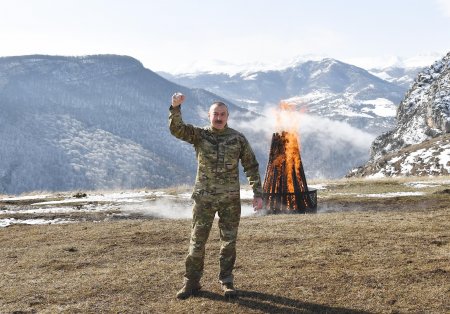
229, 212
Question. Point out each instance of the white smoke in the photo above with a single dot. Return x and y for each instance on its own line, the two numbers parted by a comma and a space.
330, 132
329, 148
334, 132
173, 207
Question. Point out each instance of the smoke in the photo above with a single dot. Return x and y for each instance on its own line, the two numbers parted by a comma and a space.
330, 132
174, 207
329, 148
161, 208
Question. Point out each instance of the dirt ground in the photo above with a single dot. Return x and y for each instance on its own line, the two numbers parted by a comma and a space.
373, 256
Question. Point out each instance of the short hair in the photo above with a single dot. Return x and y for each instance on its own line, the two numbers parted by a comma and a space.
219, 104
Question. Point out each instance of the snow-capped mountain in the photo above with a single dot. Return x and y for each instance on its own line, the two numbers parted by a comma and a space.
423, 118
328, 88
400, 76
401, 71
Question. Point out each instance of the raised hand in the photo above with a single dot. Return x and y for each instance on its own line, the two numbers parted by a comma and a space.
177, 99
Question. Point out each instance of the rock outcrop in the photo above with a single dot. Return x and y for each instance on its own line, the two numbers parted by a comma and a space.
423, 127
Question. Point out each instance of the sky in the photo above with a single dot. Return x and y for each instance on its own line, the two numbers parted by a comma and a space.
200, 35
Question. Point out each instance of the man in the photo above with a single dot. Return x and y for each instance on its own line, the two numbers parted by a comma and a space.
218, 149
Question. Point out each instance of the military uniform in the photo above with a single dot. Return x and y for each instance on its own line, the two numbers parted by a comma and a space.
216, 190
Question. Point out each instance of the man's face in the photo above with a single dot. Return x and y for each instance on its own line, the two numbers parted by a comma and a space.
218, 116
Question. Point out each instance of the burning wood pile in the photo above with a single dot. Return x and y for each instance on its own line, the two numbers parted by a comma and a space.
285, 189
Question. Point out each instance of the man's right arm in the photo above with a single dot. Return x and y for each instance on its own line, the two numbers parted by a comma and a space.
178, 128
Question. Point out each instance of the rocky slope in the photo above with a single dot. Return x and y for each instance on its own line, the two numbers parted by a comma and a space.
424, 113
429, 158
419, 142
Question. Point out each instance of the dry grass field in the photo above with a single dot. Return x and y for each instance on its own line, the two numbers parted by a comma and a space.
360, 254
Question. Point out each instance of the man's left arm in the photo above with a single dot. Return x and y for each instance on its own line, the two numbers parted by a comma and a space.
251, 169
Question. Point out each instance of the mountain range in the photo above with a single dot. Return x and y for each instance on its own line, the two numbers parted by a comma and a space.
95, 122
344, 107
100, 122
328, 88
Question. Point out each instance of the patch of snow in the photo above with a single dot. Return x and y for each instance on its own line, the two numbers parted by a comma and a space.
444, 157
382, 75
393, 194
12, 221
185, 195
383, 107
157, 204
350, 113
406, 167
321, 186
251, 77
318, 73
25, 198
248, 101
62, 209
421, 184
310, 97
394, 160
246, 194
405, 79
121, 197
377, 175
247, 210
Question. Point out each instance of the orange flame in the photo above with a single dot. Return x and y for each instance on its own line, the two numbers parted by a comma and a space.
285, 184
287, 118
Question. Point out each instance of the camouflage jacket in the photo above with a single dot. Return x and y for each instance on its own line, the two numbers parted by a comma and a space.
218, 153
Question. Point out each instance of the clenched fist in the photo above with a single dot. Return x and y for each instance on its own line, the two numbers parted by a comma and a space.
177, 99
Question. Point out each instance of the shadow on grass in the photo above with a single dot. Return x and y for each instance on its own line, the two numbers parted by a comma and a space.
268, 303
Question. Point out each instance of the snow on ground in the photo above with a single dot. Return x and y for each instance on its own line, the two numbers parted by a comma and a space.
349, 112
25, 198
433, 160
11, 221
158, 204
383, 107
246, 194
426, 184
393, 194
377, 175
383, 75
319, 186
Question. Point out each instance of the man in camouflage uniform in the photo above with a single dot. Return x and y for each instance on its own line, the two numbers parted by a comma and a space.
218, 149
